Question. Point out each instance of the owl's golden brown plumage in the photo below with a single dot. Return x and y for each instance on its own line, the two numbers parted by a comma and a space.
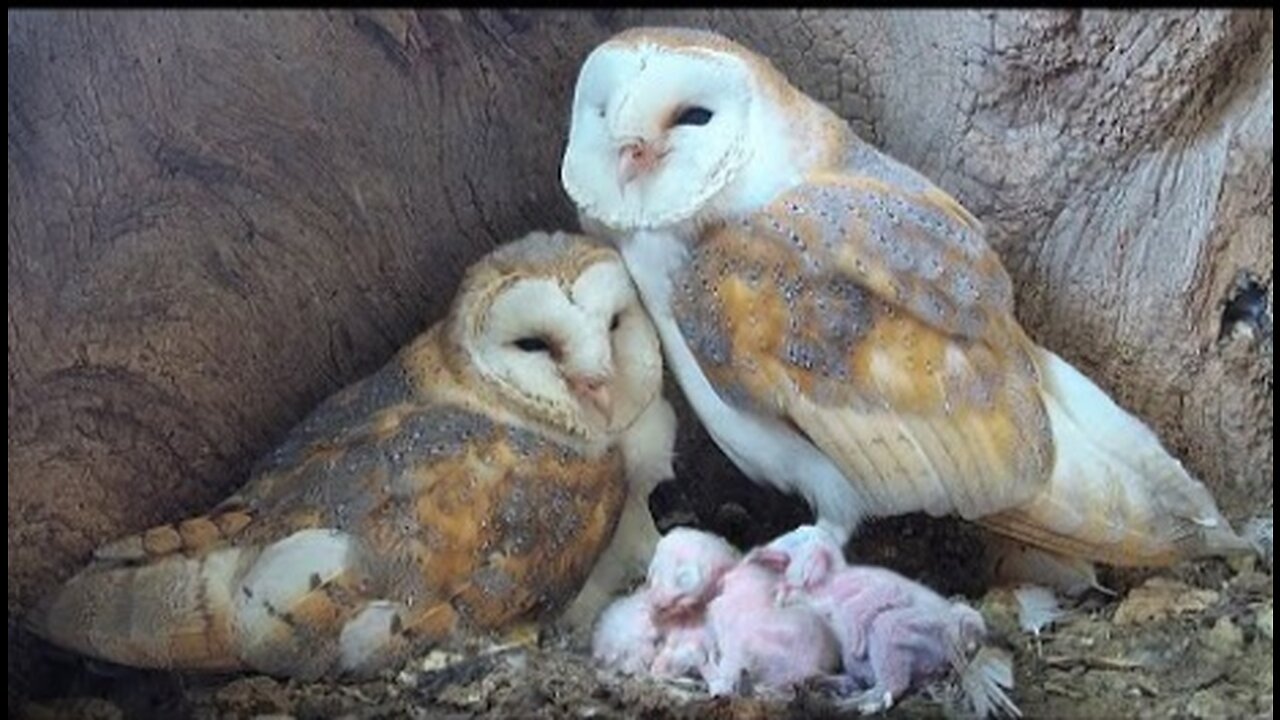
468, 486
839, 323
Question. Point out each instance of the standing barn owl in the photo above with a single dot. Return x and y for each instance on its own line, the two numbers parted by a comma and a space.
467, 486
839, 323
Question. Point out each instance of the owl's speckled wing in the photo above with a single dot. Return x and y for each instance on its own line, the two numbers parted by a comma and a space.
451, 507
875, 319
404, 517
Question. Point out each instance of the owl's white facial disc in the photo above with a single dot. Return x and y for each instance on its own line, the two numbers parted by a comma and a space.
655, 134
582, 354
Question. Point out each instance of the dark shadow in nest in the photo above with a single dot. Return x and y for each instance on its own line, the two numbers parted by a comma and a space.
56, 675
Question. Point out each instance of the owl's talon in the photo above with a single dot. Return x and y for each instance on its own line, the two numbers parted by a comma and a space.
872, 701
522, 636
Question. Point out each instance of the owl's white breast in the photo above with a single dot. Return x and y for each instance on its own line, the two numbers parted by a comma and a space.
764, 449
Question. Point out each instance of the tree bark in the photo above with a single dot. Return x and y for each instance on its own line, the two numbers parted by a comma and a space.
218, 218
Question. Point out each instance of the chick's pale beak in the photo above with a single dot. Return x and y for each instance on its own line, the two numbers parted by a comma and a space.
594, 390
775, 560
669, 610
636, 159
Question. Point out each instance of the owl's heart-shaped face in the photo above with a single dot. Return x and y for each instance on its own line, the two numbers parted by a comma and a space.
554, 326
656, 133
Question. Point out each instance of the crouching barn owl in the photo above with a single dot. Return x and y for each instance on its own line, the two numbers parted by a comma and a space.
839, 323
468, 486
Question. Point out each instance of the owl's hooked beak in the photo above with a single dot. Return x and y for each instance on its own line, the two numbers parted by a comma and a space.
593, 390
636, 158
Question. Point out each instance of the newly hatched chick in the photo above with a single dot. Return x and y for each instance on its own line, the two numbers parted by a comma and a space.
686, 566
625, 637
893, 632
775, 647
687, 650
664, 619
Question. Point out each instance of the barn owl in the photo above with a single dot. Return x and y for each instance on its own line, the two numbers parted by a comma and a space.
466, 487
839, 323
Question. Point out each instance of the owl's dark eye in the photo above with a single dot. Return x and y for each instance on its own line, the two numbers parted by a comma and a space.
533, 344
615, 322
694, 116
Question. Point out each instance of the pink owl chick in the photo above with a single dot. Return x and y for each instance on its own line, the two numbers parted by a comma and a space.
893, 632
768, 646
686, 651
625, 637
663, 621
686, 566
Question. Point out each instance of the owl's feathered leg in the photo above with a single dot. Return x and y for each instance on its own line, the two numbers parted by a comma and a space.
622, 563
839, 530
647, 449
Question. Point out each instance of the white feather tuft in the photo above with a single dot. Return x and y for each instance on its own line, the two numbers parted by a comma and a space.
986, 682
1258, 533
1038, 608
368, 637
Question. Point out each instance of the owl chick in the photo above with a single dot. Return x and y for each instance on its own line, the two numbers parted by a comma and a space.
626, 638
839, 323
468, 486
893, 632
759, 643
661, 626
685, 572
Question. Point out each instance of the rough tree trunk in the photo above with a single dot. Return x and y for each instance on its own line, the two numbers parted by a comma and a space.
218, 218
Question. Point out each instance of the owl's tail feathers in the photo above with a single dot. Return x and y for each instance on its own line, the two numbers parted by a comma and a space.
1115, 495
173, 612
298, 607
648, 448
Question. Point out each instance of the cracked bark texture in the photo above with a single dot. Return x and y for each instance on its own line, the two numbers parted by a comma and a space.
218, 218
